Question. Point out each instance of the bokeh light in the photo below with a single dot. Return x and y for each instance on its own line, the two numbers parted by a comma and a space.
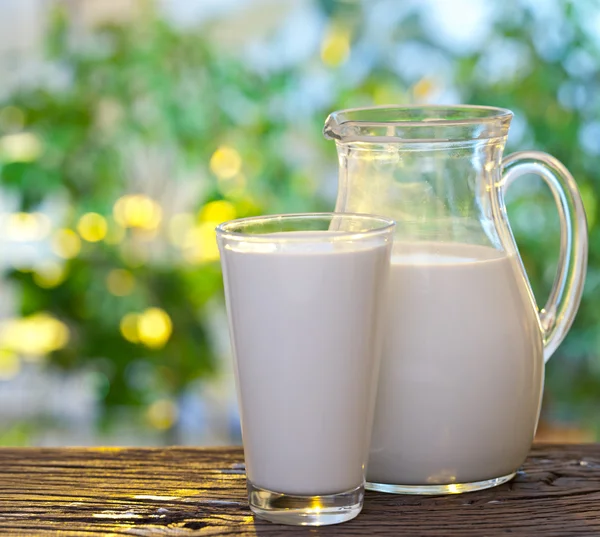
27, 226
218, 212
20, 147
162, 414
129, 327
120, 282
66, 243
225, 162
33, 336
423, 89
137, 210
154, 328
199, 241
49, 274
335, 48
200, 244
92, 227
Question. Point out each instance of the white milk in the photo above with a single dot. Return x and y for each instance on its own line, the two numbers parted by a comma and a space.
462, 368
304, 326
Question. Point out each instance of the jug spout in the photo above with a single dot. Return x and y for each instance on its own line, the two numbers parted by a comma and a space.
331, 129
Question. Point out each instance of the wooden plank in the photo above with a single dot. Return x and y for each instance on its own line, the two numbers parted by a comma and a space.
186, 492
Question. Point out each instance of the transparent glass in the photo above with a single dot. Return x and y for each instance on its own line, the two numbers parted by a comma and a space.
462, 368
304, 298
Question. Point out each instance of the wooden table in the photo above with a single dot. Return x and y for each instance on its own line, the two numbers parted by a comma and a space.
186, 492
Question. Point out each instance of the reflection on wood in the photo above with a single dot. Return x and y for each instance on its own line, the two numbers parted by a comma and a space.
185, 492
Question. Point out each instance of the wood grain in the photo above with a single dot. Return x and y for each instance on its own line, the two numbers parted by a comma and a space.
187, 492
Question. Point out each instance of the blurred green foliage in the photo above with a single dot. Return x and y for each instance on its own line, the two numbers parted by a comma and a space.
148, 89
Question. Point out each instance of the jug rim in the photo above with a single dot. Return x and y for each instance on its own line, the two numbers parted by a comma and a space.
417, 123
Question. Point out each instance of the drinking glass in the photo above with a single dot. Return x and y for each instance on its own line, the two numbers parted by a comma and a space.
304, 298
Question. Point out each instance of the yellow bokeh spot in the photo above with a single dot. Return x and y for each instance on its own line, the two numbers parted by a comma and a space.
66, 243
423, 89
10, 365
154, 327
120, 282
217, 212
225, 162
335, 48
36, 335
200, 244
162, 414
137, 210
49, 274
179, 225
20, 147
27, 226
129, 327
92, 227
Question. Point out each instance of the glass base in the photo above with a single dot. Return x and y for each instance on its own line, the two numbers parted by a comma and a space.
453, 488
305, 510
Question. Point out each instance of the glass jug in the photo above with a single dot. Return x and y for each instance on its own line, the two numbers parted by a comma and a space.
462, 368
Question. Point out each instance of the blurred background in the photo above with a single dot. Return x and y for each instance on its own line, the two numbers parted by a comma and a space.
130, 128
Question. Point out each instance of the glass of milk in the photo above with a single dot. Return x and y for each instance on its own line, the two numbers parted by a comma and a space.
304, 297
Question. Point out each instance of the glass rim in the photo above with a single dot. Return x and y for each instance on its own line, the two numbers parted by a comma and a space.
227, 230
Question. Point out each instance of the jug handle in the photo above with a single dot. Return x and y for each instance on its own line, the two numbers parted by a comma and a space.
558, 314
